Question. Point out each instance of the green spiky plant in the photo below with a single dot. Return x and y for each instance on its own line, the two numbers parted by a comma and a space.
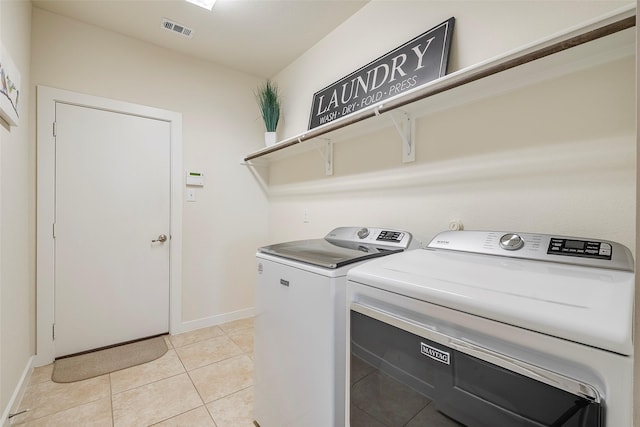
269, 103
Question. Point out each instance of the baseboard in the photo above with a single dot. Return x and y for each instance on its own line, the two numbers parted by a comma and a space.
18, 393
206, 322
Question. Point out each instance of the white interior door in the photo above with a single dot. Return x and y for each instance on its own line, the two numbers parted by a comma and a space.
112, 199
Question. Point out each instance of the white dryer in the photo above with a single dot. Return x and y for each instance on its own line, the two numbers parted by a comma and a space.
300, 329
493, 329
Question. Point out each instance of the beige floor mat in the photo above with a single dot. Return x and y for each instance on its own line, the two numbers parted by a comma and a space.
89, 365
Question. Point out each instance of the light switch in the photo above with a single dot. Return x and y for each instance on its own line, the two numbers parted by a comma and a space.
191, 194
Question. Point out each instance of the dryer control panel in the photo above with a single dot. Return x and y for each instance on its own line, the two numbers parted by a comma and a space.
384, 237
539, 247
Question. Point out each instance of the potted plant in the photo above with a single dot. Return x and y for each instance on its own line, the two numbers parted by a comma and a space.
269, 102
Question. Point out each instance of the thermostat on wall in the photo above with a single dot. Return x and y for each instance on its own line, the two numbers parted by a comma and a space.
195, 178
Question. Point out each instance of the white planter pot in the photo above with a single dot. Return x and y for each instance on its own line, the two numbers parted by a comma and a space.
270, 138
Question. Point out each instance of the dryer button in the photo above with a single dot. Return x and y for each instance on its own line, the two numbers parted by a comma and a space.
511, 242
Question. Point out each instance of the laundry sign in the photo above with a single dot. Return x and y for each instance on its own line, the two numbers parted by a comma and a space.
411, 65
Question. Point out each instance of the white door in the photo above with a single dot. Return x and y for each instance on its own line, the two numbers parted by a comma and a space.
112, 200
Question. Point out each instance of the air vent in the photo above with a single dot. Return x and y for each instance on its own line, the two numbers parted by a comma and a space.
169, 25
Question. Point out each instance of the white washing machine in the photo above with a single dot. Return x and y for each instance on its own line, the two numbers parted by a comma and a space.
300, 329
493, 329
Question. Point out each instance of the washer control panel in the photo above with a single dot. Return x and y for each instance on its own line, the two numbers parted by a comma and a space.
363, 233
511, 242
390, 236
580, 248
539, 247
373, 236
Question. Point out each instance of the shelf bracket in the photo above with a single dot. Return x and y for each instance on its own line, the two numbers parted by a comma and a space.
254, 164
406, 127
326, 150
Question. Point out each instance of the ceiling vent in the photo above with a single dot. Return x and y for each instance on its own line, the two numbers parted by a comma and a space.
169, 25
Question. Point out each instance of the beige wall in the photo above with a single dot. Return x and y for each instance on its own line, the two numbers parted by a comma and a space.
221, 123
456, 175
483, 29
17, 213
636, 329
558, 157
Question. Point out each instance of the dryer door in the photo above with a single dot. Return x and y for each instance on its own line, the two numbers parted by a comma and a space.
405, 372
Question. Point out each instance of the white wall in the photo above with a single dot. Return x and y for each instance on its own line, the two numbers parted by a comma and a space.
557, 157
17, 213
221, 123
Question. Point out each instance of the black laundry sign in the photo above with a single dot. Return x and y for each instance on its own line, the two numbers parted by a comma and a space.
413, 64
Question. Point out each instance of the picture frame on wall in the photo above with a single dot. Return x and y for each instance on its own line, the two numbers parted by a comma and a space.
410, 66
9, 88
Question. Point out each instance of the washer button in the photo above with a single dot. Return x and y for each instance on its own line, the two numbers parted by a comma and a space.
363, 232
511, 242
605, 249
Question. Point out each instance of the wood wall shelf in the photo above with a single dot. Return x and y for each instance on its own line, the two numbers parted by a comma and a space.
604, 40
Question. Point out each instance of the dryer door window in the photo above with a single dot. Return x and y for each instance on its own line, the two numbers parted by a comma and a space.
400, 378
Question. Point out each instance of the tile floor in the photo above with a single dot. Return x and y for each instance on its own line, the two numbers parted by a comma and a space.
205, 379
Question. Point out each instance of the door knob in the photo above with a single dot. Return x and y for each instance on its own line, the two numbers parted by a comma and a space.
161, 238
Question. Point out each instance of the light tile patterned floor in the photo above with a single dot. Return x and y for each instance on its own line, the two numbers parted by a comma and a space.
205, 379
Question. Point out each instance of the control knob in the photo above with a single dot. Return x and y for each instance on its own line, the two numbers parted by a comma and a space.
511, 242
363, 232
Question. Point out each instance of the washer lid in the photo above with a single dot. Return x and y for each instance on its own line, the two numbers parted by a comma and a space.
327, 254
589, 305
343, 246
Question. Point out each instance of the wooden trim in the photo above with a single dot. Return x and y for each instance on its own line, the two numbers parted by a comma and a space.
526, 58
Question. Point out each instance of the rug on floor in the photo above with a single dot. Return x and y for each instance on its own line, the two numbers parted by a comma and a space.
100, 362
